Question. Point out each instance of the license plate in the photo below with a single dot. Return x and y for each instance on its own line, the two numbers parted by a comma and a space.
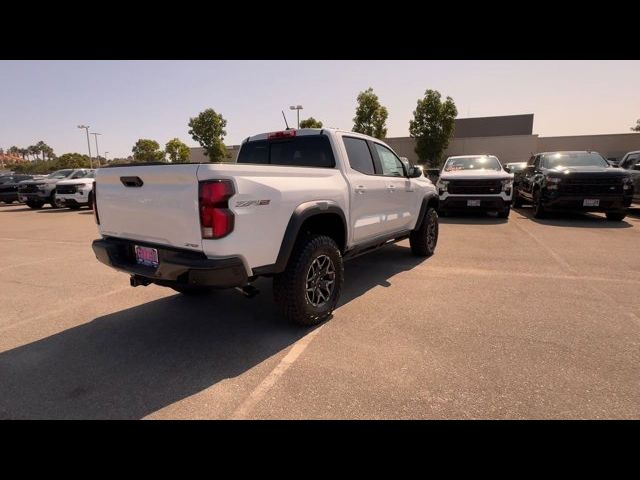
591, 202
473, 203
146, 256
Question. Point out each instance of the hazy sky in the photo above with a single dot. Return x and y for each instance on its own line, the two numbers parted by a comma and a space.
128, 100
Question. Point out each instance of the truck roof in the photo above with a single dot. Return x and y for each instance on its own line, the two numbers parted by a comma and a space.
304, 131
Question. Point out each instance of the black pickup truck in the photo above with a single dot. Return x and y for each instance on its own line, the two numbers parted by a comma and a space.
574, 181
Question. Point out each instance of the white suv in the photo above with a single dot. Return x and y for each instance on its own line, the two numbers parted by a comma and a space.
475, 182
76, 193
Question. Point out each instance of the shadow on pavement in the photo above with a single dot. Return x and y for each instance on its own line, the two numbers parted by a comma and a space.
24, 209
131, 363
472, 218
566, 219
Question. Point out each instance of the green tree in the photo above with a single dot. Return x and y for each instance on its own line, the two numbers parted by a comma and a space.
208, 130
146, 150
310, 123
370, 115
433, 126
72, 160
637, 127
177, 151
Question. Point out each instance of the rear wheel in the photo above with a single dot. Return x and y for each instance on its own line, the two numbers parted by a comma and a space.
424, 239
90, 204
616, 216
308, 290
74, 206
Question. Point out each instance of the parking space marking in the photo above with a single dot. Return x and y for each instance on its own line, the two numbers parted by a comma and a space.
490, 273
551, 252
270, 380
60, 310
36, 240
33, 262
568, 267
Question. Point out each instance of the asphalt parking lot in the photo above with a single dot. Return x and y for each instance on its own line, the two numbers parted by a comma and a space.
516, 318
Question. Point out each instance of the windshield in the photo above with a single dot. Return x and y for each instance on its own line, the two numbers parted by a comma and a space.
91, 174
481, 162
516, 167
60, 174
562, 160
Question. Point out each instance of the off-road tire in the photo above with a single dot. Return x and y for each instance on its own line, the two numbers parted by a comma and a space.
34, 205
424, 239
290, 286
74, 206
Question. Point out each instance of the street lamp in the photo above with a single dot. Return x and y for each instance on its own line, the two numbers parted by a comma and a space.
298, 108
105, 157
95, 135
86, 127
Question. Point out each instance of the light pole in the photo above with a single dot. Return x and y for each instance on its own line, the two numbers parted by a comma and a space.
105, 157
86, 127
95, 135
298, 108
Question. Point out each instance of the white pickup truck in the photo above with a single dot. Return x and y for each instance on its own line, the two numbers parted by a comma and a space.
292, 207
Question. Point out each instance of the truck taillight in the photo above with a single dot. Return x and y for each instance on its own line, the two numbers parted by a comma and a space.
216, 220
94, 202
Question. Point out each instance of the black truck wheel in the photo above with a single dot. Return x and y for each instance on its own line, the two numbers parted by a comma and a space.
309, 288
538, 209
34, 204
424, 239
616, 216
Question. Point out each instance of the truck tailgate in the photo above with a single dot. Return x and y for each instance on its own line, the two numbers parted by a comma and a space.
154, 203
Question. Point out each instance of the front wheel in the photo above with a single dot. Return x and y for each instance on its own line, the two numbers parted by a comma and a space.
54, 202
35, 205
517, 200
308, 290
424, 239
616, 216
538, 209
504, 213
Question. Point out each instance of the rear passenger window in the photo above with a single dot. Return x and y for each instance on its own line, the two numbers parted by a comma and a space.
303, 151
359, 155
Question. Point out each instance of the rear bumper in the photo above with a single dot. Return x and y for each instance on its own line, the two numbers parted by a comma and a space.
607, 203
175, 266
459, 202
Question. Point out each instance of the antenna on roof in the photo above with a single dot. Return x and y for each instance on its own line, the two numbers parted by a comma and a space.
285, 120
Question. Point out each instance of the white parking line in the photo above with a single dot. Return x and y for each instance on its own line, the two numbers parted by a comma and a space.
44, 240
270, 380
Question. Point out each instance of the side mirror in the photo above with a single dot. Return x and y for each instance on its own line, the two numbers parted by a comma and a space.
636, 166
507, 169
414, 172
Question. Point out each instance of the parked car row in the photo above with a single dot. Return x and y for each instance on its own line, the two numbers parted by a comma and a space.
551, 181
63, 188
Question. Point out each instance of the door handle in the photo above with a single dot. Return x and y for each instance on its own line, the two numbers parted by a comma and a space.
360, 189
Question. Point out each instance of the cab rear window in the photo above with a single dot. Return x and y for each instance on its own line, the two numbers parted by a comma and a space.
303, 151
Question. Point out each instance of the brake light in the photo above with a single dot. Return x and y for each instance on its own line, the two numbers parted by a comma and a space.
94, 201
282, 134
216, 220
